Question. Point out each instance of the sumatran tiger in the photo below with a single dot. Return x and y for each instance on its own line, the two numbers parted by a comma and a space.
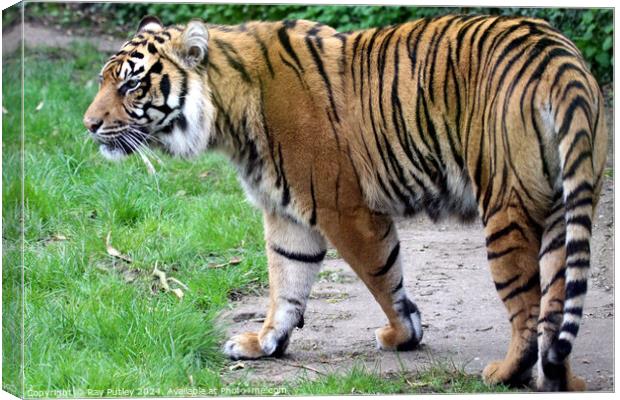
335, 134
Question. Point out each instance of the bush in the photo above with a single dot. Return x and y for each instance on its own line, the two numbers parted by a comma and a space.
590, 29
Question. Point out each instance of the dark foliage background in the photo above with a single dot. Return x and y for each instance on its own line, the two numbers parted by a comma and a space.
590, 29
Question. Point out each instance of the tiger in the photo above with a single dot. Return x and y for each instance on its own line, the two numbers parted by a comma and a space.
335, 134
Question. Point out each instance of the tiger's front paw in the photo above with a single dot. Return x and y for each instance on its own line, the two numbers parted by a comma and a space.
397, 338
251, 345
243, 347
403, 336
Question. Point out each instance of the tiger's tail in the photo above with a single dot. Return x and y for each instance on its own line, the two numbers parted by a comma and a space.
580, 128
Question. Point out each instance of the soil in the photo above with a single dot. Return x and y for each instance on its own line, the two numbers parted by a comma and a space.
446, 273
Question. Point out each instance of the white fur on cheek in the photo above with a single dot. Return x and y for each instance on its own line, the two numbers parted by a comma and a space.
199, 114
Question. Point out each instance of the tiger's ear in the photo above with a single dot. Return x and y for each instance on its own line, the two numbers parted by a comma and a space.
150, 23
194, 43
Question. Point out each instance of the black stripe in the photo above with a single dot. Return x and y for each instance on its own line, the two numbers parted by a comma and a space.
164, 86
300, 257
286, 44
585, 155
533, 282
491, 255
586, 201
558, 275
294, 302
576, 246
390, 261
576, 288
291, 66
502, 285
579, 263
581, 134
264, 52
233, 59
583, 187
577, 102
582, 220
513, 316
313, 215
286, 193
570, 327
578, 311
319, 63
399, 286
504, 232
555, 244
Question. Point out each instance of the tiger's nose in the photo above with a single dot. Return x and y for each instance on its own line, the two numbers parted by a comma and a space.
92, 124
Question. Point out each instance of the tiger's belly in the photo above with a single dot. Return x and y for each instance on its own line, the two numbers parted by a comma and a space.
446, 195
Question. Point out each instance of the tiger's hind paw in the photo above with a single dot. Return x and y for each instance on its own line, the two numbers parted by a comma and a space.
502, 372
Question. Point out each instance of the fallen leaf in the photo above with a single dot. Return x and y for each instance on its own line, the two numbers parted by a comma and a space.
113, 252
204, 174
59, 237
234, 261
39, 106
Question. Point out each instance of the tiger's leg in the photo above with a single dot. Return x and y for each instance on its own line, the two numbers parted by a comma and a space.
369, 243
552, 270
295, 254
512, 251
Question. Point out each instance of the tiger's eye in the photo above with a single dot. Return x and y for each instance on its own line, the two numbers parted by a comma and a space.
133, 83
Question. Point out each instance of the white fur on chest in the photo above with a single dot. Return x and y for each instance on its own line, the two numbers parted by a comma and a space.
266, 196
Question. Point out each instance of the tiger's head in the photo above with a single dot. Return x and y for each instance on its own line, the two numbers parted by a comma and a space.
153, 92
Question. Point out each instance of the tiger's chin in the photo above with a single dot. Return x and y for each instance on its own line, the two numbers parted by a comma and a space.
112, 153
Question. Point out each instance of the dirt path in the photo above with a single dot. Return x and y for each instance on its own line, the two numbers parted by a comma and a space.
465, 322
40, 36
446, 273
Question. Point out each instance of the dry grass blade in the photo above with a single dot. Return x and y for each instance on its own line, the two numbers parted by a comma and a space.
232, 261
113, 252
163, 280
4, 110
149, 166
295, 365
236, 366
163, 283
39, 106
178, 282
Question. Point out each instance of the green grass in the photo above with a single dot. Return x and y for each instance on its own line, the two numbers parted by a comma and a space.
438, 378
85, 325
93, 323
